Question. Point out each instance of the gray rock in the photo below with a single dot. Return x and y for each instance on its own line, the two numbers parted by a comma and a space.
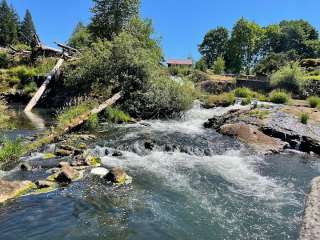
67, 175
310, 229
44, 184
100, 172
25, 167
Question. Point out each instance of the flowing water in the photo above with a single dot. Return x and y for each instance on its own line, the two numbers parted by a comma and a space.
194, 184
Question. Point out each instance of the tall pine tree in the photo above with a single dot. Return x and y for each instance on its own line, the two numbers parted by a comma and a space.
111, 16
27, 29
8, 24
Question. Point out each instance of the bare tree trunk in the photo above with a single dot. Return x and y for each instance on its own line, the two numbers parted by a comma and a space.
33, 102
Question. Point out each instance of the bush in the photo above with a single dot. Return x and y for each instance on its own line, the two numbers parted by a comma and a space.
218, 66
92, 123
246, 101
4, 114
289, 78
243, 92
304, 118
279, 97
115, 115
180, 71
43, 66
30, 88
22, 72
314, 101
4, 60
11, 150
223, 100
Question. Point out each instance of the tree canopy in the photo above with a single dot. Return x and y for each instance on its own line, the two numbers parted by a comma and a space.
27, 29
111, 16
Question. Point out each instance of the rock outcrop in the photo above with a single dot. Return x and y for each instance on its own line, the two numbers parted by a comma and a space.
118, 176
9, 190
310, 229
254, 138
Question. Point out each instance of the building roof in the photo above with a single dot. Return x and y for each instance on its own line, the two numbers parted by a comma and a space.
179, 62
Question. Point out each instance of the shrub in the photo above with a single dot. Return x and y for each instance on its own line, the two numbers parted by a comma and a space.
314, 101
22, 72
279, 97
243, 92
304, 118
11, 150
289, 78
261, 114
223, 100
246, 101
30, 88
44, 65
218, 66
92, 123
4, 60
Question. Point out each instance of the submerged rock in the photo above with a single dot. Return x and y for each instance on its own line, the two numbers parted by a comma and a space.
118, 176
251, 136
310, 229
117, 154
9, 190
45, 184
25, 167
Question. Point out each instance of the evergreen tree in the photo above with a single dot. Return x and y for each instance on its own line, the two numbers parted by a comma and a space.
27, 29
111, 16
80, 37
8, 24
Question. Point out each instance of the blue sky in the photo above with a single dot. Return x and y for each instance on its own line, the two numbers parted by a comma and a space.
181, 24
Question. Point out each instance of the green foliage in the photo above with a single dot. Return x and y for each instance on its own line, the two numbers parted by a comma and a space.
92, 123
110, 17
289, 77
11, 150
43, 66
8, 24
81, 37
258, 113
304, 118
279, 97
4, 60
23, 73
271, 63
27, 29
30, 88
115, 115
314, 101
201, 65
246, 101
67, 115
214, 45
218, 66
243, 92
223, 100
180, 71
245, 45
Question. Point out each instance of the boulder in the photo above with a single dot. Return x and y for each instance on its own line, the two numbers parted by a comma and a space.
118, 176
9, 190
100, 172
25, 167
149, 145
251, 136
62, 164
63, 152
66, 175
117, 154
310, 229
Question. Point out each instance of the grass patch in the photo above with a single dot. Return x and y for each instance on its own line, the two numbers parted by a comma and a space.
243, 92
304, 118
223, 100
4, 114
115, 115
279, 97
11, 150
261, 114
314, 101
246, 101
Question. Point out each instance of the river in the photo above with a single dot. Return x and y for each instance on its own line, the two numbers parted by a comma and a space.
194, 184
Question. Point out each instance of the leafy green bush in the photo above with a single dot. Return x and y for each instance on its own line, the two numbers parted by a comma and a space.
115, 115
44, 65
313, 101
22, 72
279, 97
304, 118
11, 150
30, 88
4, 60
218, 66
223, 100
246, 101
289, 78
243, 92
92, 123
180, 71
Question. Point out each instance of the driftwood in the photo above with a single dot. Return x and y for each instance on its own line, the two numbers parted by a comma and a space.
33, 102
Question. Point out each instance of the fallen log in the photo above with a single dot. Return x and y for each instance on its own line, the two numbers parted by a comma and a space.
74, 124
33, 102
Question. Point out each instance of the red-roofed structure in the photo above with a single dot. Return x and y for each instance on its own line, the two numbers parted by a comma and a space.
175, 62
